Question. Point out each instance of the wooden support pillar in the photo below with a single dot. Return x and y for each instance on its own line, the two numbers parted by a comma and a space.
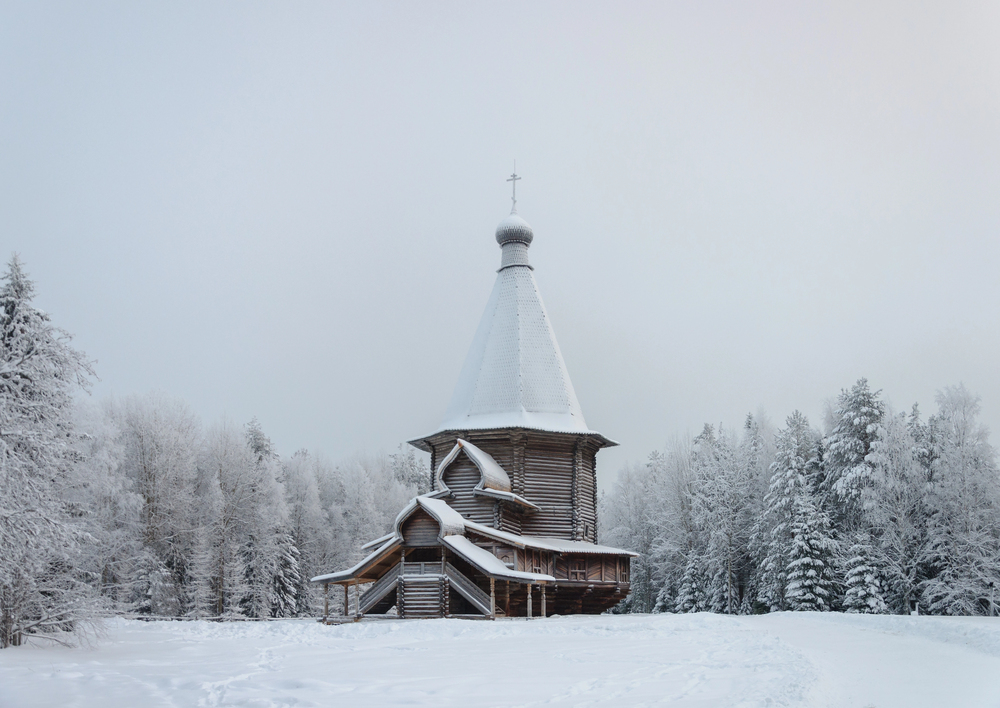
357, 601
506, 597
443, 561
529, 599
326, 601
543, 602
347, 604
493, 599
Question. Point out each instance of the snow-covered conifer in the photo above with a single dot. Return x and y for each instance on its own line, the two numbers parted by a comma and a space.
847, 468
864, 592
810, 572
791, 482
40, 584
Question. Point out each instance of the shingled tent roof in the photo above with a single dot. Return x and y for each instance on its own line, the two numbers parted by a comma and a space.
514, 375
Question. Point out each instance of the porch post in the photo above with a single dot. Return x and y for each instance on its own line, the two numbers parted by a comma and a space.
493, 599
347, 603
326, 601
543, 602
357, 600
529, 599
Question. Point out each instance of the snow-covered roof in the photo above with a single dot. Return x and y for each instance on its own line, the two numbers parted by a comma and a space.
489, 563
544, 543
378, 541
493, 475
361, 566
453, 534
450, 520
514, 375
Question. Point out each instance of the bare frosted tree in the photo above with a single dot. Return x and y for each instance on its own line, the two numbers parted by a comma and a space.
964, 523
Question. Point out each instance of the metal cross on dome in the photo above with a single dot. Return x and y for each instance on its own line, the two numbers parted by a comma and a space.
513, 180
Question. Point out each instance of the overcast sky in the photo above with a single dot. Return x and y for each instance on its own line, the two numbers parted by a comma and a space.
286, 210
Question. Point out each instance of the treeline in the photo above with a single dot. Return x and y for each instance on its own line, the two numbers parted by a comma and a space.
882, 512
134, 506
197, 522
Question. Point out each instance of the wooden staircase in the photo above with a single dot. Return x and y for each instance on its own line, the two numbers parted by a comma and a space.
381, 596
421, 590
422, 596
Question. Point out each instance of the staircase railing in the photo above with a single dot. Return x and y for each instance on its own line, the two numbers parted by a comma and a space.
382, 587
468, 589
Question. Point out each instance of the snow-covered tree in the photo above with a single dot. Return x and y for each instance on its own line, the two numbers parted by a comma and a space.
810, 571
963, 549
365, 498
627, 522
847, 469
160, 441
411, 471
309, 527
106, 507
726, 506
895, 512
41, 591
864, 586
693, 592
793, 475
271, 559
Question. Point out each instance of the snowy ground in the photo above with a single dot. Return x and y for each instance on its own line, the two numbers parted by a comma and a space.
784, 659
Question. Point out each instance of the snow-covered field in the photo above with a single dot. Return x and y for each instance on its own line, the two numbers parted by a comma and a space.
785, 659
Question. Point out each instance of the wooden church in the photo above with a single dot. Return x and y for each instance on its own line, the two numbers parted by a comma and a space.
510, 526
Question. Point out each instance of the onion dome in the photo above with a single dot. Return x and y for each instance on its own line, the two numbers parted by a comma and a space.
514, 229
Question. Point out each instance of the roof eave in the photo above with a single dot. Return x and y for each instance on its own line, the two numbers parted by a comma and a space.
423, 443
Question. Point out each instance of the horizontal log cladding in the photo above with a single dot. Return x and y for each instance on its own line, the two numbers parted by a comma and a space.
421, 530
556, 471
461, 477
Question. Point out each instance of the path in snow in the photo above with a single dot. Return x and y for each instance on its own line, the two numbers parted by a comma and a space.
785, 659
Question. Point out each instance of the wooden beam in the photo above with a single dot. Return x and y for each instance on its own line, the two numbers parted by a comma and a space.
529, 599
346, 600
543, 602
493, 599
326, 601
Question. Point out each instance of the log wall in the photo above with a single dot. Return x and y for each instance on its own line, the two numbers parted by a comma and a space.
462, 476
556, 471
421, 530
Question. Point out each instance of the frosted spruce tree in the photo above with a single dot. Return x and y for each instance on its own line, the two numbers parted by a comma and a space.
793, 476
864, 593
811, 579
41, 591
847, 469
726, 506
271, 559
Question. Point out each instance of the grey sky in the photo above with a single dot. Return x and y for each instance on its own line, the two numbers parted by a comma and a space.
287, 210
